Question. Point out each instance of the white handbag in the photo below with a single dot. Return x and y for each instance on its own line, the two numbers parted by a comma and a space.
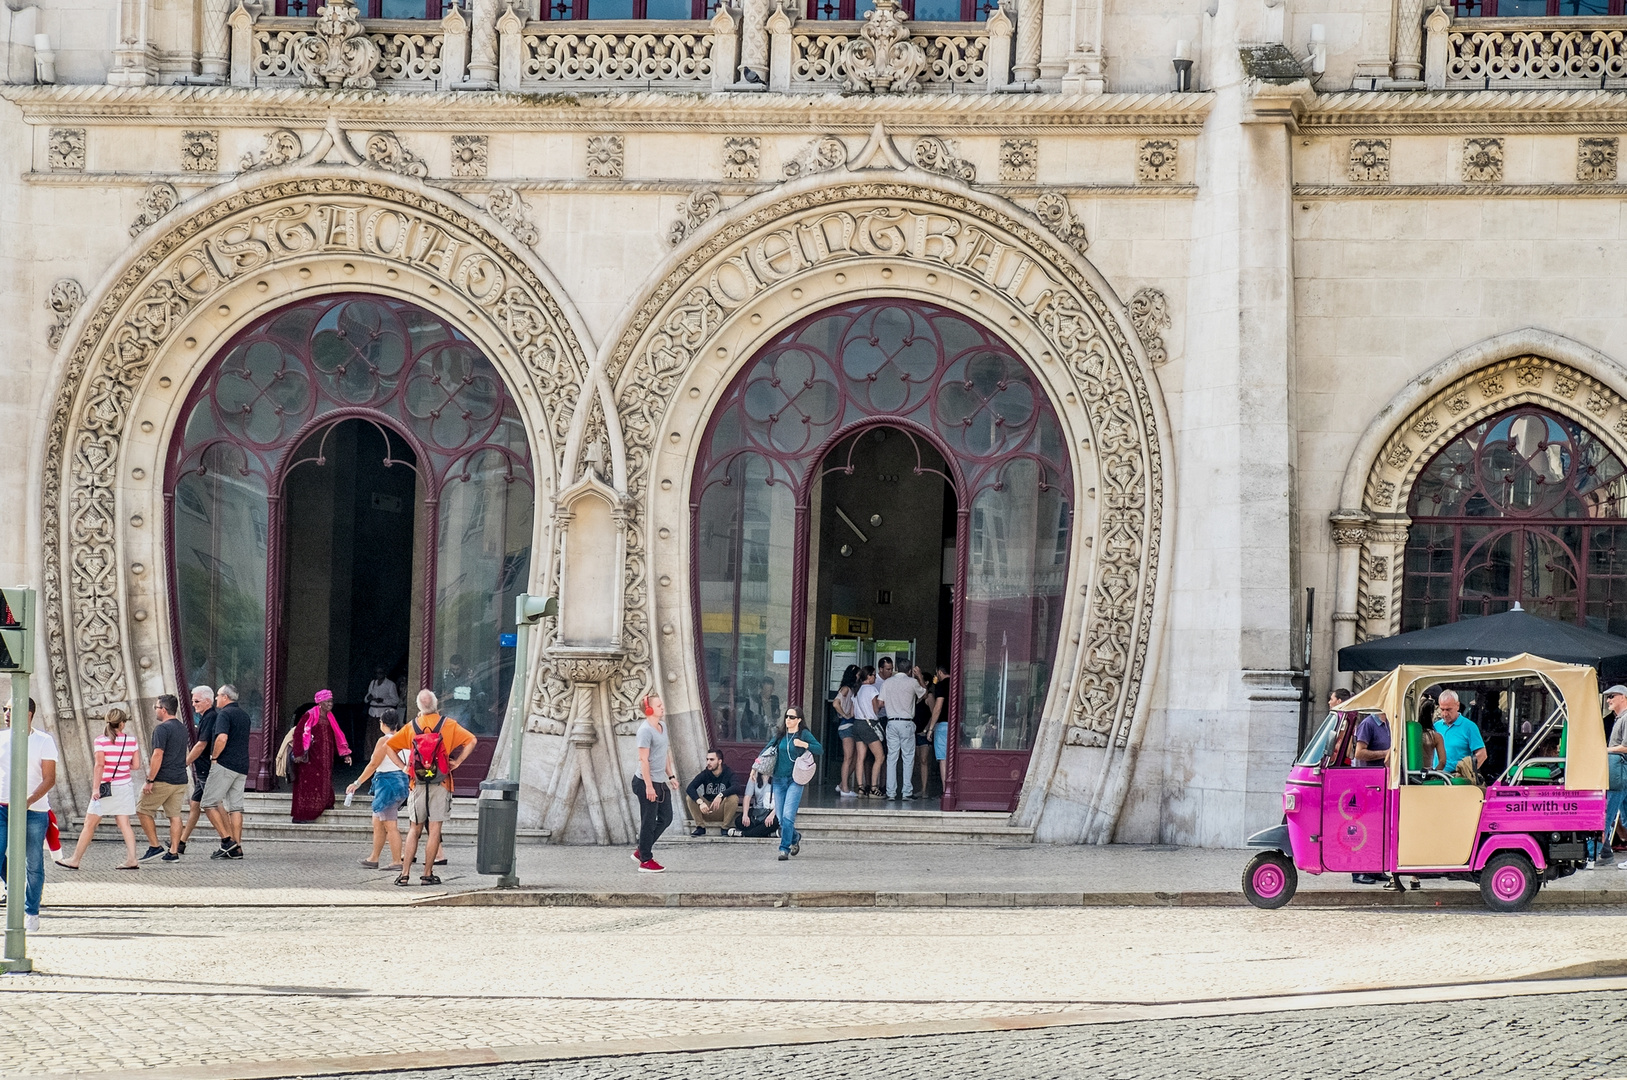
802, 769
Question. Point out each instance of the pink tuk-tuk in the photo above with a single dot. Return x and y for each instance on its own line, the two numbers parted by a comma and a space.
1405, 815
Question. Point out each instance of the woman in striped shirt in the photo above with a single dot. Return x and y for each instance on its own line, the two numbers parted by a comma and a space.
116, 789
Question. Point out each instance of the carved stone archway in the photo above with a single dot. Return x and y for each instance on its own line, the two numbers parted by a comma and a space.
762, 265
1524, 367
157, 319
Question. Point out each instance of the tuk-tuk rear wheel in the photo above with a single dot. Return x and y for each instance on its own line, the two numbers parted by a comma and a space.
1509, 882
1270, 880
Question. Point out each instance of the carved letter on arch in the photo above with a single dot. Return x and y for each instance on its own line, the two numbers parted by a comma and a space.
208, 255
1097, 700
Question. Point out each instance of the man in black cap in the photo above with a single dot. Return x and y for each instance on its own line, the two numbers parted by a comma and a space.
1615, 699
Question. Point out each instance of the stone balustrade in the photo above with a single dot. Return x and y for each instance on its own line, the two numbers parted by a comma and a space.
549, 56
1525, 53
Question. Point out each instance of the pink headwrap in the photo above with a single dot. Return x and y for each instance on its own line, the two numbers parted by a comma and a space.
323, 695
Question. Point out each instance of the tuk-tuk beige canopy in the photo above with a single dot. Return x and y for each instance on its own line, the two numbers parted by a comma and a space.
1578, 685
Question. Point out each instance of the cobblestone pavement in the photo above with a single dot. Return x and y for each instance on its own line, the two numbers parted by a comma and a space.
158, 986
1560, 1035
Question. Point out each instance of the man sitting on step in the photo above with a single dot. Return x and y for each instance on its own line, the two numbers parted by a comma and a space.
713, 797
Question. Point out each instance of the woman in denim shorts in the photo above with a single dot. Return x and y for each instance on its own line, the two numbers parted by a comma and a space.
389, 774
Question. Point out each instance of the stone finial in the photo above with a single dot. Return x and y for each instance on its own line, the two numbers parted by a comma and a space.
883, 59
339, 54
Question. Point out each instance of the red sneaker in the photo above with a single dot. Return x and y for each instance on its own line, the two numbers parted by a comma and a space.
650, 866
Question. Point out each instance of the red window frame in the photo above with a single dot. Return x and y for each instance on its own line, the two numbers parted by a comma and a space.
829, 10
1487, 9
367, 9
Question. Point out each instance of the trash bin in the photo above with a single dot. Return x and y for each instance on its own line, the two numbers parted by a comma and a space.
499, 819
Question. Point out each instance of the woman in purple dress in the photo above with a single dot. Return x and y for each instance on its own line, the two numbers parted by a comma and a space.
317, 740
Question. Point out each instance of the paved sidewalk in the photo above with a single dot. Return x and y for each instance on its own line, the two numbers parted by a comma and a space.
745, 873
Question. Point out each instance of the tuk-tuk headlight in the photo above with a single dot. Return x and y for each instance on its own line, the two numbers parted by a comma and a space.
1290, 801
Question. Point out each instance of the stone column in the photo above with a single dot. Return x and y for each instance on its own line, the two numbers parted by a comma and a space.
1381, 569
510, 51
1409, 42
483, 45
133, 61
999, 49
1436, 49
454, 48
217, 40
242, 26
1029, 18
780, 47
1349, 534
725, 48
754, 37
586, 797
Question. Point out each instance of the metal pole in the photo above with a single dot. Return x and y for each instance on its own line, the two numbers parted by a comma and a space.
17, 828
516, 721
1305, 672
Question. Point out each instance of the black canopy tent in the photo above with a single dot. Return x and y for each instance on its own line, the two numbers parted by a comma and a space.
1488, 638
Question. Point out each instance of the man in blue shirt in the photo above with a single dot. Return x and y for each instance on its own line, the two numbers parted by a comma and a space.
1460, 736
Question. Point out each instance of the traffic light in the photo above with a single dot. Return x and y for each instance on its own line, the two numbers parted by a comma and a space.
17, 630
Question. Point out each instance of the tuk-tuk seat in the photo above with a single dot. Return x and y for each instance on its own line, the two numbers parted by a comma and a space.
1416, 772
1541, 771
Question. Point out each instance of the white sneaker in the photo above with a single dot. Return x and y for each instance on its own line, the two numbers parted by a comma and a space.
31, 923
1589, 865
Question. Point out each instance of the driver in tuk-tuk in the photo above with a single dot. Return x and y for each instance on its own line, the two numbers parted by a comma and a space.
1463, 751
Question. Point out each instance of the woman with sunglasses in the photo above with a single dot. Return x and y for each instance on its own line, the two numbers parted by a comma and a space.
116, 753
791, 740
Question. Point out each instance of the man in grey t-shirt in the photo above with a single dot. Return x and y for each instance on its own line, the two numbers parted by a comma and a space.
654, 797
166, 786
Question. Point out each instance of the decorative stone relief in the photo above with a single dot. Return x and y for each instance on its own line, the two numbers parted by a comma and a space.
1149, 314
282, 147
339, 55
1053, 209
1596, 159
882, 59
65, 150
606, 156
673, 329
284, 224
937, 155
741, 157
200, 151
159, 200
1369, 161
67, 297
693, 212
822, 155
469, 157
1156, 160
509, 208
1483, 161
384, 151
1019, 160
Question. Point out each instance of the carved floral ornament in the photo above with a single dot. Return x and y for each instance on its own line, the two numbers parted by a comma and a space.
1381, 526
809, 240
95, 619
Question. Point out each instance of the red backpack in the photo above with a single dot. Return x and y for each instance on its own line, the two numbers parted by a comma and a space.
428, 761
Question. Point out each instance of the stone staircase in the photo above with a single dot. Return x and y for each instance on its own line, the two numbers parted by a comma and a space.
910, 826
265, 817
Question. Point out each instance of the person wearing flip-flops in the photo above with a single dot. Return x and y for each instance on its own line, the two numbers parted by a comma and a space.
116, 753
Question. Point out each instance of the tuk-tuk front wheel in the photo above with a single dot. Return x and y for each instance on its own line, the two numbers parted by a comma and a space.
1270, 880
1509, 882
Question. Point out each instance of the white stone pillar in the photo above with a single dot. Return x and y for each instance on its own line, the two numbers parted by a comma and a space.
1435, 49
510, 51
242, 26
1349, 534
1030, 16
998, 53
217, 41
754, 37
133, 62
1409, 42
483, 45
725, 52
780, 45
454, 48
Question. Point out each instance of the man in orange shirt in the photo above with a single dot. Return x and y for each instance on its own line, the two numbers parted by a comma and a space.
429, 799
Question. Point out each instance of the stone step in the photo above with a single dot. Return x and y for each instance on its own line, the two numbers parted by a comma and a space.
911, 826
265, 816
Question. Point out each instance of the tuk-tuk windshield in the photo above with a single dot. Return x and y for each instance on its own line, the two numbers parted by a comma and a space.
1321, 743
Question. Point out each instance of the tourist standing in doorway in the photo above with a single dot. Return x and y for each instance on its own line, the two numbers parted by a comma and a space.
843, 704
867, 734
654, 797
166, 786
434, 745
116, 751
383, 698
899, 693
791, 740
388, 770
228, 773
938, 725
317, 741
923, 735
41, 779
203, 712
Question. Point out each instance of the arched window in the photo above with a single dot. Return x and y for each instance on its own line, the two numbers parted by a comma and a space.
1525, 506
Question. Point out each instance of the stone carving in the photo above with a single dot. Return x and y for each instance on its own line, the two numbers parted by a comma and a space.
1149, 314
606, 156
937, 155
65, 150
1349, 535
1598, 403
1053, 209
1019, 160
1528, 374
1483, 161
200, 151
1530, 54
182, 271
282, 147
67, 297
1565, 382
1155, 160
1596, 159
1398, 454
822, 155
384, 151
339, 55
1458, 402
672, 330
1426, 426
469, 157
1491, 386
159, 200
883, 59
506, 205
1369, 161
741, 157
692, 214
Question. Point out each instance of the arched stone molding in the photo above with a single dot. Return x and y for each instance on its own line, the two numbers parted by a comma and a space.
160, 315
765, 263
1527, 366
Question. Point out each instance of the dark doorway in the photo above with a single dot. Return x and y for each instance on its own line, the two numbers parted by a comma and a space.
350, 504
